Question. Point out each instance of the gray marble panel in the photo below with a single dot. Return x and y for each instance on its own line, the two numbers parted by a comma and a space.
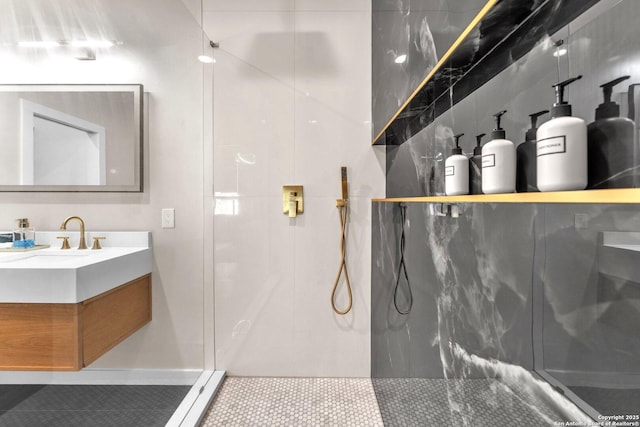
471, 269
421, 29
470, 277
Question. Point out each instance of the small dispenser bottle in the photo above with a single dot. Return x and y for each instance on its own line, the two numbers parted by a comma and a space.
23, 236
498, 162
475, 167
526, 158
631, 102
561, 147
456, 171
610, 144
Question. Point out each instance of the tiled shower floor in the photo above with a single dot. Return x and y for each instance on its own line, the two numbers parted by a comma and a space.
344, 402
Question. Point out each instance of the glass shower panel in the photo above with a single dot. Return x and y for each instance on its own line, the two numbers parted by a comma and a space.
141, 376
591, 306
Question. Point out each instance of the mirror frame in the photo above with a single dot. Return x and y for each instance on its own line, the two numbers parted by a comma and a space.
137, 91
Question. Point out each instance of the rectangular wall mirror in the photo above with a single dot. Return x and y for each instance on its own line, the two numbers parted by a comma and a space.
71, 138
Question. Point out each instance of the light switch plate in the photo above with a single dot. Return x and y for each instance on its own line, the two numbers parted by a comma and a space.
168, 218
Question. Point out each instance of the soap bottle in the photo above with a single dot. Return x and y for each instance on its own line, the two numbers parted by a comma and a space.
526, 158
631, 101
456, 171
561, 147
23, 236
475, 167
610, 144
498, 162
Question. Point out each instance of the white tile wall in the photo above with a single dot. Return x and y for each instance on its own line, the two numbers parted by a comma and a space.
292, 94
248, 5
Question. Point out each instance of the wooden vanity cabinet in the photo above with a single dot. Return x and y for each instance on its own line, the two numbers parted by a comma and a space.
68, 337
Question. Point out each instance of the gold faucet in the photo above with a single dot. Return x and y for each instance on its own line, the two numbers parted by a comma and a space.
83, 243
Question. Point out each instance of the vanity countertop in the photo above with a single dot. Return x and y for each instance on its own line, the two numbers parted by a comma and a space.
53, 275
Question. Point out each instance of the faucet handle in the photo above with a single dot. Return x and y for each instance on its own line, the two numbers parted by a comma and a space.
96, 242
65, 242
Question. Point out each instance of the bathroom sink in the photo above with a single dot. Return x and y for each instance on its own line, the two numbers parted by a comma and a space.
44, 259
54, 275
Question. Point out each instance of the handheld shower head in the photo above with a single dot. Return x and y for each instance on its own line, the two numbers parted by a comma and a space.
345, 189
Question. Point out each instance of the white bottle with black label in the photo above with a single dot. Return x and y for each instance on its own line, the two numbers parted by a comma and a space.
498, 162
456, 171
561, 147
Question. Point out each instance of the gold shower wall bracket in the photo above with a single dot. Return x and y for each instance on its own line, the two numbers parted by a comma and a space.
292, 200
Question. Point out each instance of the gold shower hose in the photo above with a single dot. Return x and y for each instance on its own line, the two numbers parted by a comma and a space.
342, 206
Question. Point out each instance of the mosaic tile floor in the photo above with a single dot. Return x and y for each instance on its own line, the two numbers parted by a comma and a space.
420, 402
364, 402
339, 402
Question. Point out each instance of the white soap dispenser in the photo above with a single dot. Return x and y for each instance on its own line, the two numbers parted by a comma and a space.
561, 147
456, 171
498, 162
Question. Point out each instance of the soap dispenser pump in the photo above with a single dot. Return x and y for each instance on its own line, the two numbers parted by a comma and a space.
475, 167
610, 144
24, 235
498, 161
561, 148
526, 157
456, 175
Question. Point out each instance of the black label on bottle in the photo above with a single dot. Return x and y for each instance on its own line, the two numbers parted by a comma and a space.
553, 145
488, 161
449, 171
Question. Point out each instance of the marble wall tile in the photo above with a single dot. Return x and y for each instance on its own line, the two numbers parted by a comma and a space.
473, 276
297, 110
248, 5
262, 40
333, 5
505, 34
422, 30
254, 295
253, 154
333, 119
471, 279
471, 288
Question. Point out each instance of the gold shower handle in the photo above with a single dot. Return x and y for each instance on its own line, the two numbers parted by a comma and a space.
293, 204
292, 200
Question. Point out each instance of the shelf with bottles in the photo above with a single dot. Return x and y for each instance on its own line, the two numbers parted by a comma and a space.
614, 195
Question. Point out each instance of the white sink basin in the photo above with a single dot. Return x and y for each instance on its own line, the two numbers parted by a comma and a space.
41, 259
54, 275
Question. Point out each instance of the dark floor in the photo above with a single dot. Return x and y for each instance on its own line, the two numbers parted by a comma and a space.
88, 405
610, 401
423, 402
